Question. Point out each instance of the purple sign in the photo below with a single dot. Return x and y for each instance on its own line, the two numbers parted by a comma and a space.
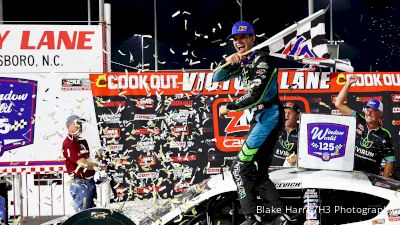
17, 112
327, 140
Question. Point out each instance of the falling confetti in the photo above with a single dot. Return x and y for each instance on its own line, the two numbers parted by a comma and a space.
176, 13
121, 53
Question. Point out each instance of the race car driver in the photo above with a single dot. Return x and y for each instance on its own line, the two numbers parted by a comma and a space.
259, 77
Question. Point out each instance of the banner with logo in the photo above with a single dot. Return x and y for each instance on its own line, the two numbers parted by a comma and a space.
51, 48
33, 111
163, 131
327, 141
17, 112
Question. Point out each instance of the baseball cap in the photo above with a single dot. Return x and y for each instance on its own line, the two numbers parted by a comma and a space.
74, 119
242, 27
375, 104
292, 105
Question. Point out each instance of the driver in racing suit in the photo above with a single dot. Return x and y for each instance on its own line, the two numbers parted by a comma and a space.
373, 141
259, 77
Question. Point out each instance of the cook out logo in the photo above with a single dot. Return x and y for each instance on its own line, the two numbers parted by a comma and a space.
327, 140
17, 113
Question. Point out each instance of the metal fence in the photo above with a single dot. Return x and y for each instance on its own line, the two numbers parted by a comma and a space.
38, 198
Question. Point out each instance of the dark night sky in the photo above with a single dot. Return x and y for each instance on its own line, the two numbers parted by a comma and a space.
370, 29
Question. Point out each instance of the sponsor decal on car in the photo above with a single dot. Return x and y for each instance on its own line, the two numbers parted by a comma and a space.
378, 221
394, 215
287, 185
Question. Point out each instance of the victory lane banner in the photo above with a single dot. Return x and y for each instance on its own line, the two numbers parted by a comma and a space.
51, 48
165, 126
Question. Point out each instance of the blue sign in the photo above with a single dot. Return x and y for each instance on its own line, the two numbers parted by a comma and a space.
17, 112
327, 140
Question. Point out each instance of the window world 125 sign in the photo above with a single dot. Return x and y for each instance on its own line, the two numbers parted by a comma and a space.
328, 142
17, 113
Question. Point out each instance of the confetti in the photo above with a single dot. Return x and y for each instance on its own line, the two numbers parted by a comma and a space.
176, 13
121, 53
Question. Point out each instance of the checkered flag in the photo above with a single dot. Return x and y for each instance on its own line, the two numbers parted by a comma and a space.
305, 38
18, 125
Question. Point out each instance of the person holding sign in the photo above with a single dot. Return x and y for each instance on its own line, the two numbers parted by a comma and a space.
259, 76
285, 152
373, 141
76, 154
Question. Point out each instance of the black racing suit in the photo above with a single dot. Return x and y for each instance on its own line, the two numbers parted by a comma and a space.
372, 146
259, 76
285, 146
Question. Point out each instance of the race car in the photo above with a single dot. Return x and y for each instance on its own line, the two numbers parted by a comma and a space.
311, 197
